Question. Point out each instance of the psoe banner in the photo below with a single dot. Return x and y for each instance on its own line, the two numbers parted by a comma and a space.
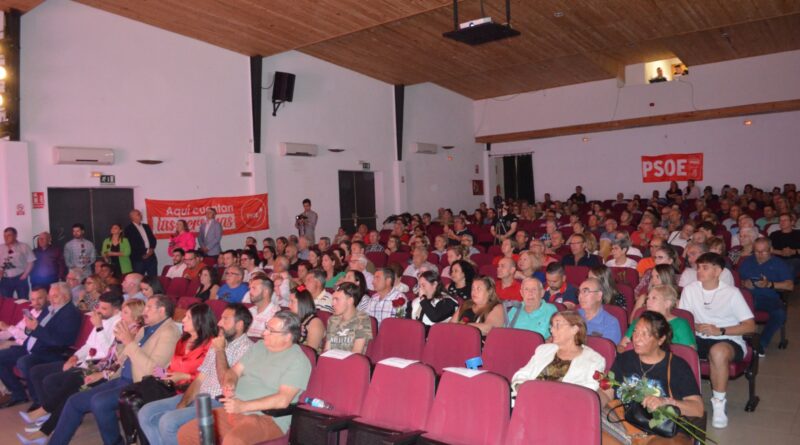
237, 214
672, 167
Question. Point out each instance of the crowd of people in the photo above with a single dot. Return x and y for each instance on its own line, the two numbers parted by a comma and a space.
503, 266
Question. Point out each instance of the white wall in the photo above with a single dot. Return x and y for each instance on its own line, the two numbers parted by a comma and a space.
436, 115
94, 79
610, 161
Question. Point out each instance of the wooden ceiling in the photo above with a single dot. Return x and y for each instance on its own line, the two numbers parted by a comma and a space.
400, 41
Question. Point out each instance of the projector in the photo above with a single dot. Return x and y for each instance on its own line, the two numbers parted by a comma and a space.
475, 22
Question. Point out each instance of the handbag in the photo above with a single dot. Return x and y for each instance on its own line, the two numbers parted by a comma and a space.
135, 396
638, 416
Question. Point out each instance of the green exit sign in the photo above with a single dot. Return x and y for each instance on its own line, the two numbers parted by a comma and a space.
108, 179
365, 166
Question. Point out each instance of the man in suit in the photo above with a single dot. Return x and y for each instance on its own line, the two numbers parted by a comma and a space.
143, 245
210, 234
152, 346
50, 337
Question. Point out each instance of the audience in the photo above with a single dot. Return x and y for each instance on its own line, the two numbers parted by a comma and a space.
598, 322
312, 329
533, 313
558, 290
234, 288
506, 285
381, 304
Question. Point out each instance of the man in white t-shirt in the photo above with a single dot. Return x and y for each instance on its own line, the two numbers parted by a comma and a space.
178, 267
689, 275
264, 306
721, 317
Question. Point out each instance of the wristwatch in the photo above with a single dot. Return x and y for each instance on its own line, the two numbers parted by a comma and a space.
721, 331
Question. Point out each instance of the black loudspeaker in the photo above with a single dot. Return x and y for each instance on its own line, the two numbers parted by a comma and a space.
283, 87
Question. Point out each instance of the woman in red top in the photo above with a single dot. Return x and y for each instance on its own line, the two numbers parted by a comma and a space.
182, 238
199, 328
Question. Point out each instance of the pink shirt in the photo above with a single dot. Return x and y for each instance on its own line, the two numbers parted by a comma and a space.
184, 240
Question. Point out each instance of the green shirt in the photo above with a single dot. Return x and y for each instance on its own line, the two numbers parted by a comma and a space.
536, 321
264, 372
681, 332
343, 334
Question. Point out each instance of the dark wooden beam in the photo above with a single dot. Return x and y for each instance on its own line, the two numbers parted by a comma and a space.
648, 121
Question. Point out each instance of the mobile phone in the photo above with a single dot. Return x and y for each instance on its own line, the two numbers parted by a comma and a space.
27, 313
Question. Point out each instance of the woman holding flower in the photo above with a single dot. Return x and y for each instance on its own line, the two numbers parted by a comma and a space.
652, 375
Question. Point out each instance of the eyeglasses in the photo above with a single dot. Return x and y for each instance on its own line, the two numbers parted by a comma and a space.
589, 291
275, 331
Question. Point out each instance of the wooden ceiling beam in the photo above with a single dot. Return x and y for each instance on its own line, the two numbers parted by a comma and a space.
648, 121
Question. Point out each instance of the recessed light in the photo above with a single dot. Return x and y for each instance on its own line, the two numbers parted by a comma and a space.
585, 139
747, 122
558, 14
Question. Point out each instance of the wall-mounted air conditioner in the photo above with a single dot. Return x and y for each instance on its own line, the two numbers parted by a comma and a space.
423, 148
294, 149
83, 156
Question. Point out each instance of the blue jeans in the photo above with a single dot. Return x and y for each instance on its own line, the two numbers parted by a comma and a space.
9, 285
102, 401
160, 420
777, 317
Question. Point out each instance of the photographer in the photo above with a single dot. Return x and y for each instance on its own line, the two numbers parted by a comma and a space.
306, 222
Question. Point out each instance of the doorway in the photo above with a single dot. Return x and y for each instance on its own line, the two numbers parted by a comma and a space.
357, 200
518, 177
95, 208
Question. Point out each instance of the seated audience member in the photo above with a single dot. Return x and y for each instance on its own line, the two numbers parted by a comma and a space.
770, 217
533, 314
131, 286
717, 245
529, 266
648, 262
721, 317
661, 275
161, 420
440, 246
249, 263
93, 287
765, 275
271, 375
664, 255
142, 351
506, 251
96, 348
50, 336
556, 245
689, 275
663, 299
462, 273
392, 245
633, 251
199, 329
381, 304
303, 248
670, 376
433, 304
303, 267
641, 238
732, 220
333, 269
11, 335
268, 256
558, 290
747, 238
209, 284
619, 255
578, 255
359, 263
538, 248
312, 329
357, 278
745, 222
467, 242
178, 268
458, 230
566, 358
59, 386
74, 281
598, 322
483, 310
233, 290
454, 253
373, 245
280, 276
786, 242
314, 285
349, 329
262, 291
680, 238
610, 293
324, 244
506, 286
290, 253
194, 264
150, 286
419, 263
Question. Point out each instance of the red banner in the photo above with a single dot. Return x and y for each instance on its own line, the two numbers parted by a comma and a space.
237, 214
672, 167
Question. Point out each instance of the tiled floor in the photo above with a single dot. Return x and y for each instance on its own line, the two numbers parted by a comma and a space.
776, 421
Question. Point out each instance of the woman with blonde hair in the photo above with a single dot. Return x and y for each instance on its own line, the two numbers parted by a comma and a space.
663, 298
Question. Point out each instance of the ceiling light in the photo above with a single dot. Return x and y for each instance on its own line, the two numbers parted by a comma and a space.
558, 14
747, 122
585, 139
3, 72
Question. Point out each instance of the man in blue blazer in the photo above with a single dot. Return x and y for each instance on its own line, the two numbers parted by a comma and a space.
50, 339
209, 235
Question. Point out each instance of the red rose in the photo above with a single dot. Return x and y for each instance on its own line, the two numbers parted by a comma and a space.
92, 352
605, 384
597, 375
400, 302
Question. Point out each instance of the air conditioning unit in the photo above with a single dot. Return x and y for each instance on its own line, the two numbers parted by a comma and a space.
421, 147
83, 156
294, 149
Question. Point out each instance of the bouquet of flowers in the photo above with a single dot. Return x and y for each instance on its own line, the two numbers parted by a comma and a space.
634, 390
399, 306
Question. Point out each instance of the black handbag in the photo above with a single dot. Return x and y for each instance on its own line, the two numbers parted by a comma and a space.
133, 397
638, 416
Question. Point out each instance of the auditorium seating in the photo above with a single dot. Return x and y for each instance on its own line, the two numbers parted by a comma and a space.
507, 350
451, 344
397, 337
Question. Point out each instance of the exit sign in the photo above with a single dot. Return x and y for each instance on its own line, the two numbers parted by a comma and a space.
108, 180
365, 166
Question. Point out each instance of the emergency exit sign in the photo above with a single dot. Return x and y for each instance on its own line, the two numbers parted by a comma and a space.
108, 180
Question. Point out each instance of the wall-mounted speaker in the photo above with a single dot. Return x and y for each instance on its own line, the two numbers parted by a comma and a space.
283, 88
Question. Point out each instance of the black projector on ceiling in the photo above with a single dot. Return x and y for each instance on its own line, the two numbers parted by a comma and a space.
478, 34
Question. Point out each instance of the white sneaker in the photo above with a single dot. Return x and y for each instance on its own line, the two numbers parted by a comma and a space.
719, 419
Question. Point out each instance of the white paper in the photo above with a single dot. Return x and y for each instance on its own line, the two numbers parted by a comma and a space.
337, 354
466, 372
397, 362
